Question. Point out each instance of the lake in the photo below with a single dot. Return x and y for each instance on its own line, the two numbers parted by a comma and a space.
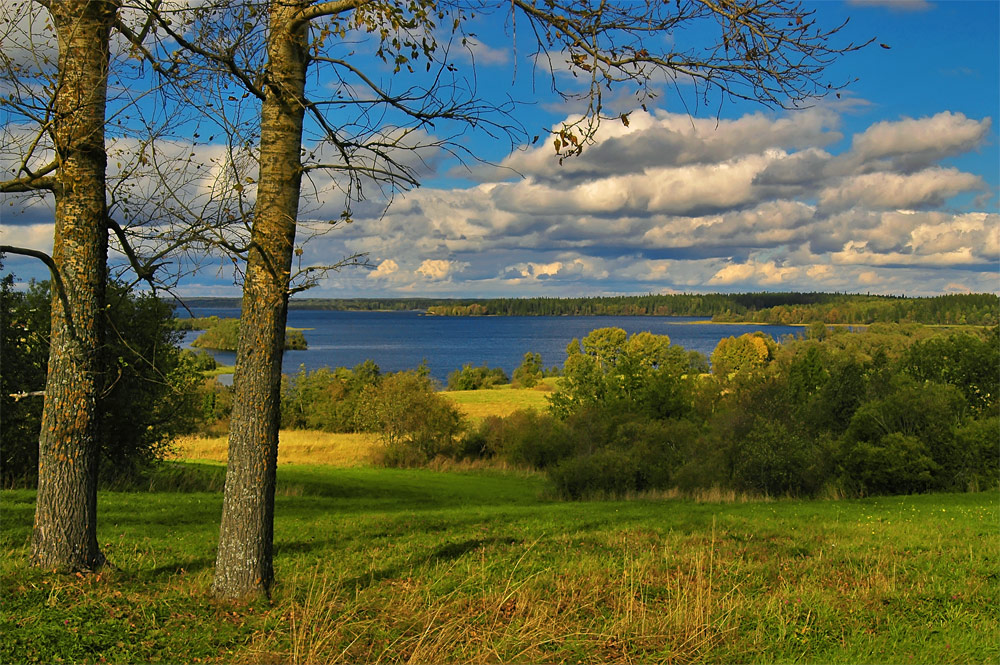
401, 340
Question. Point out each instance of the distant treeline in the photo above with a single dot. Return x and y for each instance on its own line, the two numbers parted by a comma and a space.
778, 308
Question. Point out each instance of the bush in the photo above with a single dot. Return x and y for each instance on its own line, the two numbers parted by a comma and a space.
605, 473
216, 405
326, 399
201, 361
150, 387
414, 422
773, 460
977, 465
897, 464
524, 438
927, 412
476, 378
530, 371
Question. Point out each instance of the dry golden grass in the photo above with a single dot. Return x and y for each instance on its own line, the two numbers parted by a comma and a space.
501, 401
294, 447
646, 606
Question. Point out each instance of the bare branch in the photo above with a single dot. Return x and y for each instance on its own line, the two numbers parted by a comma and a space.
53, 270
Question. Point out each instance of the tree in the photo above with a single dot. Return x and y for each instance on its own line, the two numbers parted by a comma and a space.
148, 393
65, 534
737, 358
57, 62
529, 372
771, 50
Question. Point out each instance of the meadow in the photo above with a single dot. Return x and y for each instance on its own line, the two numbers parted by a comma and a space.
388, 565
481, 565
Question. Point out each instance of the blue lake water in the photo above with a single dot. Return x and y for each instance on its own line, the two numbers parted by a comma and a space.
401, 340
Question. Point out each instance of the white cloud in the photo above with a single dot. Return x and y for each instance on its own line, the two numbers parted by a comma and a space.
930, 187
929, 138
752, 272
384, 269
665, 204
32, 236
439, 269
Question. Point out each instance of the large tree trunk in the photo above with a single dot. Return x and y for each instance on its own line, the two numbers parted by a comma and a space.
243, 564
65, 530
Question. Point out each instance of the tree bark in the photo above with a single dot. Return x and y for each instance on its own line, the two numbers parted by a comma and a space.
243, 564
65, 529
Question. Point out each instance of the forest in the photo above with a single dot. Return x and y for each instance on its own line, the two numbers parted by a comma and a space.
776, 308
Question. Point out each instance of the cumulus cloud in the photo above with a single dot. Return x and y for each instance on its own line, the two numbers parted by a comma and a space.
924, 140
673, 203
439, 269
767, 273
384, 270
756, 202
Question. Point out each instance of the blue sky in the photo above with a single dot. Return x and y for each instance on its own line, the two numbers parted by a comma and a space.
890, 188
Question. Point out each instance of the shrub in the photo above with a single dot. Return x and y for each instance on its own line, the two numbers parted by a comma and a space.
605, 473
530, 371
897, 464
150, 388
925, 411
476, 378
325, 399
201, 361
977, 464
523, 438
771, 459
409, 417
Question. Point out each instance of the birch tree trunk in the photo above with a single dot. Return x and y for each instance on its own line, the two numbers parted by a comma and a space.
243, 563
65, 528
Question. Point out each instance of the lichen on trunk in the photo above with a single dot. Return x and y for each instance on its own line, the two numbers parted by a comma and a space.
65, 529
243, 564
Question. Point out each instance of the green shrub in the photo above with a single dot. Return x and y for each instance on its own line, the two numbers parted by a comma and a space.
523, 438
774, 460
476, 378
977, 446
202, 361
530, 371
409, 415
928, 412
326, 399
606, 473
151, 389
897, 464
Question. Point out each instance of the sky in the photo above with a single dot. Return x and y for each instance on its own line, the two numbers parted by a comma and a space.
889, 186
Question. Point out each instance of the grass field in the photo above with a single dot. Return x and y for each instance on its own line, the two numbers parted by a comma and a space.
501, 400
377, 565
301, 447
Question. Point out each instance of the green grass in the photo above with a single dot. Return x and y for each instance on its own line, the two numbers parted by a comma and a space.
416, 565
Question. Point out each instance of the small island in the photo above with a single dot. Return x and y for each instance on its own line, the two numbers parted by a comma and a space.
223, 334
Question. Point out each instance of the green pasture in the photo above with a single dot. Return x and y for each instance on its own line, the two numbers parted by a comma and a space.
382, 565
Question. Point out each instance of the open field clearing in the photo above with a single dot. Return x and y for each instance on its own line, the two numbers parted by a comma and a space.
501, 400
306, 447
379, 565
